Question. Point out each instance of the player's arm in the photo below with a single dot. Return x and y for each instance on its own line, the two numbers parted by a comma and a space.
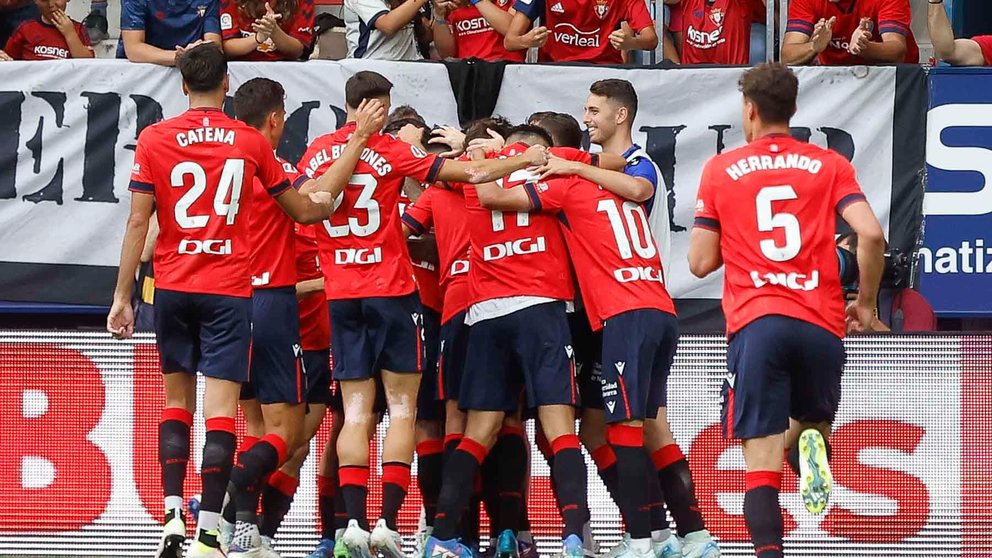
705, 256
960, 52
491, 196
871, 261
519, 34
490, 170
120, 320
629, 187
308, 287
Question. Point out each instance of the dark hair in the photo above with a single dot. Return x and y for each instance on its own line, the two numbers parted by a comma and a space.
540, 115
619, 91
405, 111
365, 85
256, 99
528, 133
203, 67
478, 128
255, 9
394, 126
773, 88
563, 128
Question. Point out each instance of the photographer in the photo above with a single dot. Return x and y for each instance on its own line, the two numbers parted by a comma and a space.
900, 308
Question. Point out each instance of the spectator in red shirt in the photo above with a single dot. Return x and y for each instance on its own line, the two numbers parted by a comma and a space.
843, 33
253, 30
718, 31
598, 31
53, 35
976, 51
474, 30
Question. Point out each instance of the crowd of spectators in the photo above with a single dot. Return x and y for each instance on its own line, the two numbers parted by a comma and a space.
825, 32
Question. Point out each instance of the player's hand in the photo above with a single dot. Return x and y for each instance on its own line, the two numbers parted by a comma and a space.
536, 155
411, 134
861, 37
63, 23
447, 135
370, 118
622, 38
4, 57
120, 320
495, 142
536, 37
861, 318
556, 166
323, 198
823, 31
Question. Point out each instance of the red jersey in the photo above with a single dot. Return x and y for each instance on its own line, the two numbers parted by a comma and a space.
273, 257
517, 254
425, 273
362, 247
887, 16
579, 30
613, 251
718, 32
985, 43
37, 40
444, 209
475, 37
234, 24
315, 322
201, 166
774, 203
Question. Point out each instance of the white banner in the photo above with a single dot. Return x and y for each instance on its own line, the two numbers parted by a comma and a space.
685, 116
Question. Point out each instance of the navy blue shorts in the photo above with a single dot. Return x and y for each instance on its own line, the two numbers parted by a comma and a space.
780, 367
638, 351
428, 406
203, 332
379, 333
451, 362
317, 366
588, 360
529, 350
277, 369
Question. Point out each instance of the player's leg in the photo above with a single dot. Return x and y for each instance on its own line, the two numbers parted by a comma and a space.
429, 427
278, 378
251, 410
815, 399
489, 389
330, 500
756, 403
544, 345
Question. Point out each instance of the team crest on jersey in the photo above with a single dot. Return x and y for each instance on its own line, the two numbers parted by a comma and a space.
502, 3
716, 16
602, 8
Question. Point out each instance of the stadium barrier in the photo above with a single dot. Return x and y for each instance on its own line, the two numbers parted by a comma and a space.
67, 131
79, 472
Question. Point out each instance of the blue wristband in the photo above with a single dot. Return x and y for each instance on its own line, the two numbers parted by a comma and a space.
474, 2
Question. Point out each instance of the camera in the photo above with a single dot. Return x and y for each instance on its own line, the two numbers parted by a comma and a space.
895, 271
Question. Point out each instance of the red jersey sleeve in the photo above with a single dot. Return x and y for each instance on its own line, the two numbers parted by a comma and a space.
15, 44
412, 162
230, 20
846, 189
894, 16
637, 15
802, 17
141, 171
301, 28
547, 196
707, 216
270, 171
419, 215
572, 154
295, 177
83, 35
985, 43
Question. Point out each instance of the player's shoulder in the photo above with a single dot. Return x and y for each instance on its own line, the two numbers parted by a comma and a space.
830, 159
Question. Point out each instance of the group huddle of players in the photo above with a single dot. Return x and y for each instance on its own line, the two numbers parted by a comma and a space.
532, 286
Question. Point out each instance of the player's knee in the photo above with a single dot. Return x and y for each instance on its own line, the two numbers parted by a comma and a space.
216, 455
592, 436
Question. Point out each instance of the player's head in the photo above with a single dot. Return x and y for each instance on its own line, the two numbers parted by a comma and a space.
479, 129
204, 69
563, 128
405, 111
538, 116
770, 91
409, 129
259, 103
610, 108
365, 86
531, 135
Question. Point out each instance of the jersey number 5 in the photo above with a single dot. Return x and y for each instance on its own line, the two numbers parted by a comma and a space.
231, 179
768, 221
